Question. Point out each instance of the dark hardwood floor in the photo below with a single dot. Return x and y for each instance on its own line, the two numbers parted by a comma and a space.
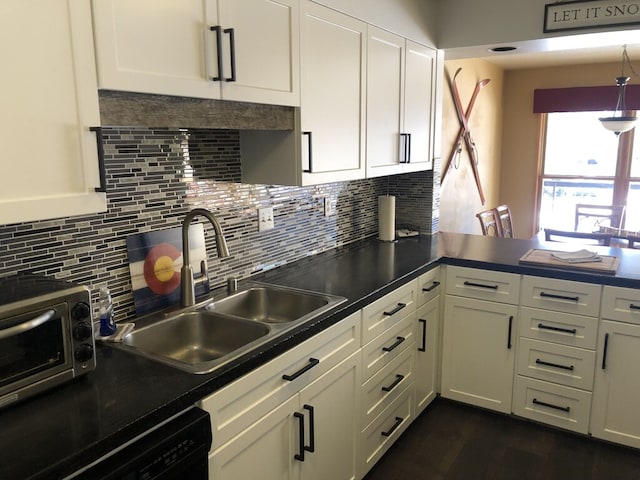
458, 442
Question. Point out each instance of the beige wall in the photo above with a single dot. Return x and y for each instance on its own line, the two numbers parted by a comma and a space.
506, 132
519, 165
459, 198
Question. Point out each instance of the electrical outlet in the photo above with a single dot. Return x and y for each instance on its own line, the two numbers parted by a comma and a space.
265, 219
328, 207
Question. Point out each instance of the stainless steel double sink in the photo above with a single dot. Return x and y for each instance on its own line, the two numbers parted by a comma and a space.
202, 338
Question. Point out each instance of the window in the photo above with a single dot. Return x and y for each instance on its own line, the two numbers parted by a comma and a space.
584, 163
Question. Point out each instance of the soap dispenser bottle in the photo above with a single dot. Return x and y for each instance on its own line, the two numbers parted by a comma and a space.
107, 324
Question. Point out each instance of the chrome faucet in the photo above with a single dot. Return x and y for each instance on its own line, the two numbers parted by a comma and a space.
187, 285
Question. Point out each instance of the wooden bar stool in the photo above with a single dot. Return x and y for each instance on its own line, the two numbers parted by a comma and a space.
503, 212
490, 223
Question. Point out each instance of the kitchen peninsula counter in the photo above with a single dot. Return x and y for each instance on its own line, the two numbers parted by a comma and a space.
55, 434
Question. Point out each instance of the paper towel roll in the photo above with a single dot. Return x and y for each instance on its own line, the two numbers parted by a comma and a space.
387, 218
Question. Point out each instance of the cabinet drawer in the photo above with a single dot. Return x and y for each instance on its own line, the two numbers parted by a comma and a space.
557, 405
381, 351
622, 304
386, 385
429, 285
564, 328
561, 295
386, 311
385, 430
569, 366
241, 403
483, 284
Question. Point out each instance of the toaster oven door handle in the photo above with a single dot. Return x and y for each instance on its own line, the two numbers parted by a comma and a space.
28, 325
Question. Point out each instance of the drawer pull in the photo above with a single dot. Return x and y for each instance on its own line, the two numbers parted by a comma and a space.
433, 286
102, 172
480, 285
509, 332
300, 417
232, 53
399, 307
398, 341
604, 351
312, 363
554, 365
633, 306
393, 428
395, 383
309, 136
572, 331
559, 297
551, 405
312, 435
423, 348
218, 32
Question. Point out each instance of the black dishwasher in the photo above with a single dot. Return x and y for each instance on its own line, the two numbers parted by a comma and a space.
177, 450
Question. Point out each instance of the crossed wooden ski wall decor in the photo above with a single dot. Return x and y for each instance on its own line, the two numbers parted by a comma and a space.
464, 134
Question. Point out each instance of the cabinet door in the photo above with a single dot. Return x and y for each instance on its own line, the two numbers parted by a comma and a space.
427, 353
157, 46
333, 94
265, 450
49, 101
418, 105
385, 92
335, 400
263, 37
616, 392
479, 352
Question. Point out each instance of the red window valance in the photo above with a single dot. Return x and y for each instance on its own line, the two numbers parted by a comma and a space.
583, 99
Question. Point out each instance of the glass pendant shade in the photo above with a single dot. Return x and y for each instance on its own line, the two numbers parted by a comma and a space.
619, 122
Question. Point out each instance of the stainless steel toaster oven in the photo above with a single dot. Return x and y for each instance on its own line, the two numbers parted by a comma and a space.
46, 335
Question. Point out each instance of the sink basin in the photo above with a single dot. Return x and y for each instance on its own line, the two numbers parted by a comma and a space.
204, 337
196, 340
273, 304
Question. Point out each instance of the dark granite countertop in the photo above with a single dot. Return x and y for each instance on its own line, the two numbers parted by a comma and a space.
56, 433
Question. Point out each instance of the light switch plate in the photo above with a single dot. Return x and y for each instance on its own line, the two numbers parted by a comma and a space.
265, 219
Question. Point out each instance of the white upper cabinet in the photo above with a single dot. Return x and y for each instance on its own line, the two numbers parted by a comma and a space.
327, 144
333, 95
49, 98
244, 50
401, 78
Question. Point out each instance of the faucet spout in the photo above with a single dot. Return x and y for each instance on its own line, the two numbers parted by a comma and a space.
187, 285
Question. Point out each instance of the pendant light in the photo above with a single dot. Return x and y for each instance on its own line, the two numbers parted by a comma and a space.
620, 122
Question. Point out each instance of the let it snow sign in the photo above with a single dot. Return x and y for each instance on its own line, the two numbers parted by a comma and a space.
590, 14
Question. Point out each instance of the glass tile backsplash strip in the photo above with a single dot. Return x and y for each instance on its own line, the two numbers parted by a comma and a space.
154, 176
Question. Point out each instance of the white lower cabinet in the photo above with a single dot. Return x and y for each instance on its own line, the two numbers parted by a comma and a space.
314, 387
478, 353
388, 362
616, 392
556, 352
310, 436
426, 368
385, 430
550, 403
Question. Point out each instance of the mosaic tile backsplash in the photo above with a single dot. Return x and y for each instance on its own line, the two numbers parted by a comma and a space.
154, 176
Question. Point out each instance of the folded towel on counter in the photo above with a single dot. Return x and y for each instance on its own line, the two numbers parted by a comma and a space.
579, 256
